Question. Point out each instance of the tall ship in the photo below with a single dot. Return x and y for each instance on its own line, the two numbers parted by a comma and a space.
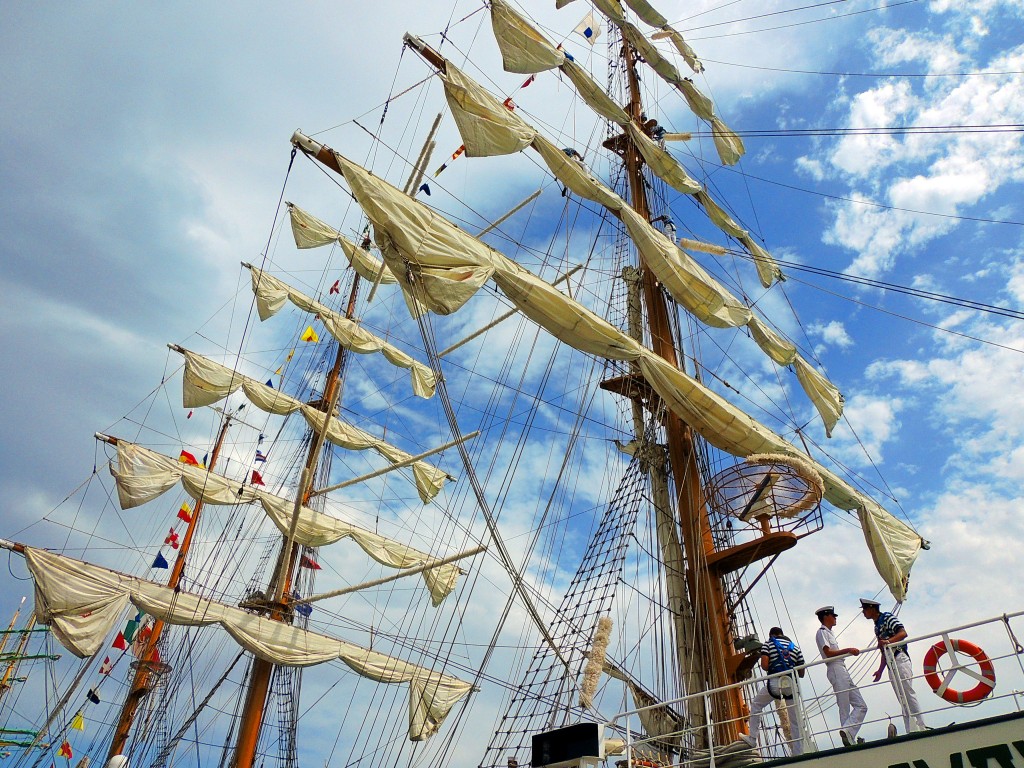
512, 450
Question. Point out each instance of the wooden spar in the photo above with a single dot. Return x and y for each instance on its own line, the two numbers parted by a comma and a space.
260, 673
399, 465
145, 669
394, 577
707, 592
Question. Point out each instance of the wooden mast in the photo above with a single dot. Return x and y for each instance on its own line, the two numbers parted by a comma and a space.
261, 671
145, 667
713, 636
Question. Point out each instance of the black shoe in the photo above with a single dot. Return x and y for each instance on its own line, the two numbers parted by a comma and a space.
892, 731
860, 739
843, 737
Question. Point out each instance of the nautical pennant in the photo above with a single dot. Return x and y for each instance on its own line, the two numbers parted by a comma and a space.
270, 383
106, 666
130, 629
159, 562
78, 722
119, 642
262, 438
185, 513
529, 81
260, 455
65, 751
309, 562
206, 458
172, 539
309, 335
336, 288
256, 479
290, 356
91, 694
589, 28
425, 189
189, 415
188, 458
303, 609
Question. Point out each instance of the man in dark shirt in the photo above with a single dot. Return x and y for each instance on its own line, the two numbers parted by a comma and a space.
778, 654
888, 631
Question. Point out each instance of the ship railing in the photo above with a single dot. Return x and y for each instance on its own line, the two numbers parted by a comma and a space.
700, 743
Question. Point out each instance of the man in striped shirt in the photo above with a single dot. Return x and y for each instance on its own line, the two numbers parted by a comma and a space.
889, 631
778, 654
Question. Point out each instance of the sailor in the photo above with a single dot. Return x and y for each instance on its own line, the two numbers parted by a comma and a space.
889, 630
778, 654
852, 708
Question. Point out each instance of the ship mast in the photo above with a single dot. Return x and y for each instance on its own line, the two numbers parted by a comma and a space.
713, 638
261, 672
146, 668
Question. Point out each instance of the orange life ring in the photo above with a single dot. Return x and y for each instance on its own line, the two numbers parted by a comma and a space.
978, 692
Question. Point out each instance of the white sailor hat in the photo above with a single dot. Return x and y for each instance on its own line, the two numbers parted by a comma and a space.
826, 610
866, 603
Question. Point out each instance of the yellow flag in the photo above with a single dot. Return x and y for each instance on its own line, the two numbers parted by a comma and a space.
290, 356
310, 335
78, 723
278, 371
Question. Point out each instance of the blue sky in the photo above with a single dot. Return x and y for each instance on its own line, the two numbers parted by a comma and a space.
145, 150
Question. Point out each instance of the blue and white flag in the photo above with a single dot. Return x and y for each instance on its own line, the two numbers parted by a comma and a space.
589, 28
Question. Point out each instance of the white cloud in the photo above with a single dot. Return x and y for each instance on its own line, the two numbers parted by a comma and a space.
832, 332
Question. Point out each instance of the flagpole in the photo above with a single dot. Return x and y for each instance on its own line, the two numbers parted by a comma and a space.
146, 665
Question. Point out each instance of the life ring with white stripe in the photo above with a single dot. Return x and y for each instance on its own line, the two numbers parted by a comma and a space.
986, 683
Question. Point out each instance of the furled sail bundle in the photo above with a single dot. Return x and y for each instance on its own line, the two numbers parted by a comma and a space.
310, 232
487, 126
142, 475
83, 602
516, 45
690, 285
271, 295
893, 545
206, 382
525, 50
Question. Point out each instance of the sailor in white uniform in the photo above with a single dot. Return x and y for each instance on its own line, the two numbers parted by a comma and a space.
852, 708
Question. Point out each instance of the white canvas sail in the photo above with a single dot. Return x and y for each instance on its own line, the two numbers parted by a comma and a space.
310, 232
271, 295
82, 603
206, 382
142, 475
720, 423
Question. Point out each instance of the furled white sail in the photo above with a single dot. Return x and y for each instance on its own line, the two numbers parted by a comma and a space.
729, 145
574, 175
206, 382
523, 48
719, 422
82, 602
661, 162
688, 54
487, 126
647, 12
593, 94
310, 232
141, 475
707, 300
272, 293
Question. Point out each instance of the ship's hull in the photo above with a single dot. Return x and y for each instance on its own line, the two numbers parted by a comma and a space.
992, 742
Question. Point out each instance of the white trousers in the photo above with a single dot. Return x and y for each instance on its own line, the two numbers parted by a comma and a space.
852, 709
902, 683
762, 700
